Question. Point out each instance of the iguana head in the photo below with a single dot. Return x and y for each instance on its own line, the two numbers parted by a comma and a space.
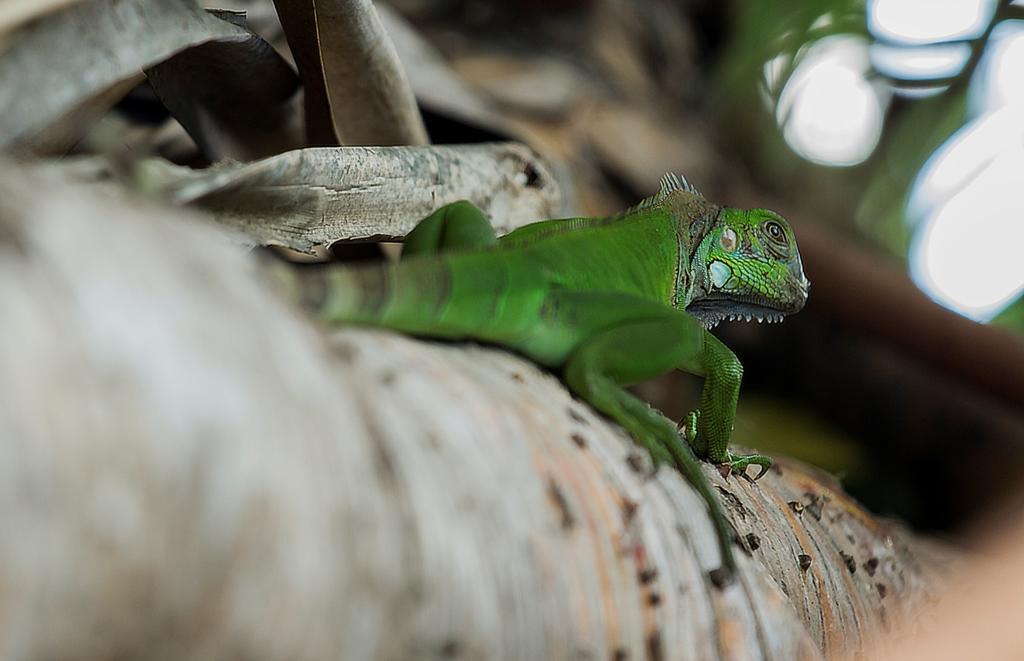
748, 267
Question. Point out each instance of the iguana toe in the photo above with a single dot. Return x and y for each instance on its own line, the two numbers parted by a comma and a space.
738, 464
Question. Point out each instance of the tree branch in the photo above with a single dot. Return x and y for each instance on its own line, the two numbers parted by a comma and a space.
314, 197
171, 434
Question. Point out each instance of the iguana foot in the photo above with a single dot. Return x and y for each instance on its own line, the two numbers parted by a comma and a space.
688, 426
735, 463
738, 464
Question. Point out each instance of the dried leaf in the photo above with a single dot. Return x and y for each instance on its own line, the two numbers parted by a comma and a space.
371, 101
72, 59
234, 96
298, 19
347, 61
15, 13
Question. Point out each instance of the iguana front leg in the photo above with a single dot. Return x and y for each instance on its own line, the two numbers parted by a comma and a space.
708, 428
682, 343
455, 226
737, 463
626, 339
619, 355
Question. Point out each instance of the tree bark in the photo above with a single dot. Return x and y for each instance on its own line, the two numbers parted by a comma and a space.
216, 477
317, 196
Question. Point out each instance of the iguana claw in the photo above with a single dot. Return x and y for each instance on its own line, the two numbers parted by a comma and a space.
688, 426
738, 464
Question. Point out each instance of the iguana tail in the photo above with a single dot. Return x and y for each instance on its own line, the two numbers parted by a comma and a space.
436, 296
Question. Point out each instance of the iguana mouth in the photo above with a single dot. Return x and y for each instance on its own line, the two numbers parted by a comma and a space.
711, 311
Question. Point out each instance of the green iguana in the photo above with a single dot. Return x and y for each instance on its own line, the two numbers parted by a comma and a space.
608, 301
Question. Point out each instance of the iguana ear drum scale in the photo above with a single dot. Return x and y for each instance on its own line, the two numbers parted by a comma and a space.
610, 301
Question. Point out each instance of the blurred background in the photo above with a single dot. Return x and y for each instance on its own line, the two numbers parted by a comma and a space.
181, 440
891, 133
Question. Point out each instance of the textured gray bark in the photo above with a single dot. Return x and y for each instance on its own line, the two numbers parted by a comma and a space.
314, 197
215, 478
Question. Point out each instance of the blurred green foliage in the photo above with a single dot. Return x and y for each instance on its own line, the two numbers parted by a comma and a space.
787, 430
1012, 317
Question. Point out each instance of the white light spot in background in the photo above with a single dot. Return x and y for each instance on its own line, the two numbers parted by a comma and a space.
829, 112
969, 196
822, 21
926, 21
773, 70
956, 163
968, 255
936, 61
1002, 71
919, 92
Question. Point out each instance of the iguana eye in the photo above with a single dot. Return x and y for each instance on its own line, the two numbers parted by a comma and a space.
775, 231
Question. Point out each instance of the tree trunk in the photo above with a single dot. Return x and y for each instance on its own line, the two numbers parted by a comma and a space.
191, 469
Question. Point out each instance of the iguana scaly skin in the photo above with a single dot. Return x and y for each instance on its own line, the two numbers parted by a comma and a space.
610, 301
